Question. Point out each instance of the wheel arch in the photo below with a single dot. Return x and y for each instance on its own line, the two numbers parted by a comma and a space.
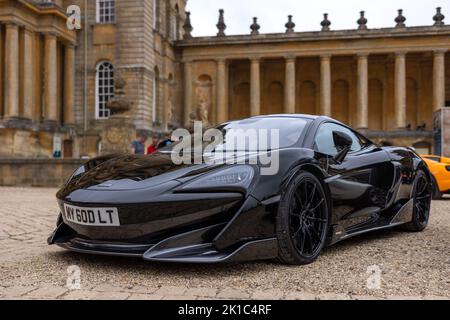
423, 166
316, 171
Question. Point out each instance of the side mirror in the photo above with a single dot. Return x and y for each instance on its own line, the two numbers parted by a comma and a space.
343, 143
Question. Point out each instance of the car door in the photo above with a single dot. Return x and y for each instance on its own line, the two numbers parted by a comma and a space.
359, 183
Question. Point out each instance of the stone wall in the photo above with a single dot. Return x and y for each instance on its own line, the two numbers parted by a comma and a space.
36, 173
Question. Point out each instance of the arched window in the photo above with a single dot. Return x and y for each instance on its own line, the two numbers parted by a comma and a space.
106, 11
104, 87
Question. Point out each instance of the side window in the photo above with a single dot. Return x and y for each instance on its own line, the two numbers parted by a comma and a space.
324, 142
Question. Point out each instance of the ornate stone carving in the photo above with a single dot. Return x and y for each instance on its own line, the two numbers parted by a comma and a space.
290, 25
117, 135
113, 135
362, 21
203, 113
187, 27
203, 98
221, 26
255, 27
120, 105
325, 23
439, 18
400, 20
119, 130
170, 111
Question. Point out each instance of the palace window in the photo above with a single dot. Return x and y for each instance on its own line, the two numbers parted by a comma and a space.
106, 11
104, 89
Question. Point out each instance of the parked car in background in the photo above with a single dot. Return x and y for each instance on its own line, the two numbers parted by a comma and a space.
440, 168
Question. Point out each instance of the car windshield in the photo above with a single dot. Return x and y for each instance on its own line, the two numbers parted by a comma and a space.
255, 134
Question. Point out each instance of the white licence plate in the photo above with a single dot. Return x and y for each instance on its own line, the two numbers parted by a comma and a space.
96, 217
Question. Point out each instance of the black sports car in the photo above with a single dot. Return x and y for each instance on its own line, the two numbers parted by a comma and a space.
332, 183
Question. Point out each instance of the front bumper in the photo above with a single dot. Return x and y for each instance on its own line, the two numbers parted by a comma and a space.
221, 228
191, 247
154, 221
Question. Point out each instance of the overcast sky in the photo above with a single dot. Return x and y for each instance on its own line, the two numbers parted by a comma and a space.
272, 14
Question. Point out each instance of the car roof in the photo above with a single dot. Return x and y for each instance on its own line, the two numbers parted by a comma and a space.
295, 116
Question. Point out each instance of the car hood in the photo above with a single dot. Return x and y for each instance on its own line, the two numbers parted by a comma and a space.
130, 172
133, 172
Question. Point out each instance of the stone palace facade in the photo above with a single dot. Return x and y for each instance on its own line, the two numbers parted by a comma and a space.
55, 82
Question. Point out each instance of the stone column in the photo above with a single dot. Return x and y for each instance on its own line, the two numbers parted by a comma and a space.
50, 91
69, 84
11, 83
400, 89
255, 91
325, 85
222, 89
289, 95
439, 80
166, 105
187, 92
28, 74
1, 72
363, 92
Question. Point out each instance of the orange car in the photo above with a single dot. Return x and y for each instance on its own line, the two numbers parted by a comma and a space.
440, 168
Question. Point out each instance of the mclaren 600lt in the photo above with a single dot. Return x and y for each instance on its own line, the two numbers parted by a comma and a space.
330, 183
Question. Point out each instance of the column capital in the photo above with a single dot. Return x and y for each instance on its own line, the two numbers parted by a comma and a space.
188, 62
400, 53
255, 59
70, 45
440, 51
325, 57
11, 25
28, 30
290, 58
50, 35
362, 55
221, 60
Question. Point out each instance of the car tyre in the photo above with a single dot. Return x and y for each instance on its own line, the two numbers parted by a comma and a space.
302, 220
437, 194
422, 196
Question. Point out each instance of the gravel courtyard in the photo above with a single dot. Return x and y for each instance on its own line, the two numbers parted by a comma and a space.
411, 265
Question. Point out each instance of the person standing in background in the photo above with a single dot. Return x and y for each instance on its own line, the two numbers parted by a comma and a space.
166, 142
138, 145
154, 146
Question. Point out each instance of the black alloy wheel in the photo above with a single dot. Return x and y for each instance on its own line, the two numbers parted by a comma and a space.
302, 222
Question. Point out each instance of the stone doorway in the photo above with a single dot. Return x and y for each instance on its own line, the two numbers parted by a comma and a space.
68, 149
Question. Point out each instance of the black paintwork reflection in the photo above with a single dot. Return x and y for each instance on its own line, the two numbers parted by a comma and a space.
113, 168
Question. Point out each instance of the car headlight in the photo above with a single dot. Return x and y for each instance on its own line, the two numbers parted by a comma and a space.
238, 177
